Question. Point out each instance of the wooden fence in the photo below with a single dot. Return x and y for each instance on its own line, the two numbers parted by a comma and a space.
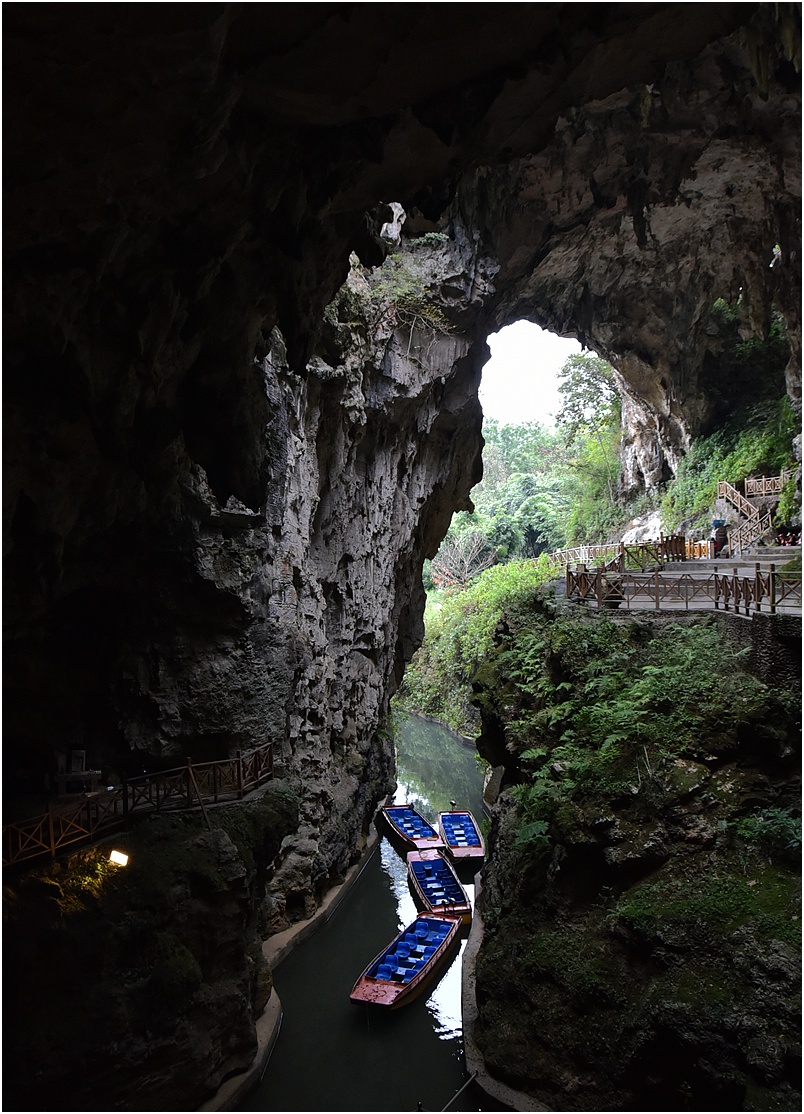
767, 485
749, 532
184, 787
727, 491
770, 589
641, 555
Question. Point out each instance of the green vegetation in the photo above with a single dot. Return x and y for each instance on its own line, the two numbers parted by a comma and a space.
648, 835
754, 443
714, 903
460, 636
400, 293
605, 707
777, 830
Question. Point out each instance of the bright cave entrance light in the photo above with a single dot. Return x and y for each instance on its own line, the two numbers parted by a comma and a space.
519, 382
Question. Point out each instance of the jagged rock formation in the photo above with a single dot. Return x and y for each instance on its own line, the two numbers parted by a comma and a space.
642, 952
218, 492
137, 988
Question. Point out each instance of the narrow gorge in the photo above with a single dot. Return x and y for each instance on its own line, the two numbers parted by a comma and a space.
252, 256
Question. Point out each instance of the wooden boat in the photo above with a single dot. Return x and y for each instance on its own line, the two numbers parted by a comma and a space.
436, 886
410, 828
461, 835
407, 966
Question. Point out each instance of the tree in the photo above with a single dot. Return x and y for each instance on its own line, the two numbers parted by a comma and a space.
460, 558
591, 404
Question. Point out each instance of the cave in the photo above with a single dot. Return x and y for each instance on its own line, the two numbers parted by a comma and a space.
220, 485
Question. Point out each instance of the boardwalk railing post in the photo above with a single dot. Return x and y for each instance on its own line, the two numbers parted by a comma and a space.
190, 780
50, 833
656, 587
772, 588
757, 587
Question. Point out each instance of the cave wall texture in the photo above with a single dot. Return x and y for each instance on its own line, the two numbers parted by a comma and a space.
218, 496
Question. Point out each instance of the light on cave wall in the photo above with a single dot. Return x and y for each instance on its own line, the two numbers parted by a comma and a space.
118, 857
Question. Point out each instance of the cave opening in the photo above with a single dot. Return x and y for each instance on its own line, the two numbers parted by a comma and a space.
519, 382
216, 529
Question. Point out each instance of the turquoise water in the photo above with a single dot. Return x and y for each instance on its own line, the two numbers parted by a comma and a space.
332, 1054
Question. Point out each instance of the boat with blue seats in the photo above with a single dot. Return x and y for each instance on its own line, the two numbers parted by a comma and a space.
410, 827
407, 966
461, 835
436, 886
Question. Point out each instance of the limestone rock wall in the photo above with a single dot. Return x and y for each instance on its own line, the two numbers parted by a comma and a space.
643, 208
641, 943
136, 988
219, 492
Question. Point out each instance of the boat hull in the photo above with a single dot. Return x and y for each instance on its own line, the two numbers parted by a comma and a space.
460, 833
436, 887
410, 829
408, 966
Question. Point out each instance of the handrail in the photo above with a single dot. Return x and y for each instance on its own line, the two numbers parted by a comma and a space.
672, 590
182, 788
748, 532
768, 485
726, 491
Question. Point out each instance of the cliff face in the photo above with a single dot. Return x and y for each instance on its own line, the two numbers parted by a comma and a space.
641, 909
218, 491
642, 209
168, 467
136, 988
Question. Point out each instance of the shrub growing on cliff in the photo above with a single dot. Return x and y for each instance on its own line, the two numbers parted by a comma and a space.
605, 707
460, 636
755, 443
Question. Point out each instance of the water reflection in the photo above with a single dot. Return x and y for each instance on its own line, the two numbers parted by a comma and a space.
333, 1055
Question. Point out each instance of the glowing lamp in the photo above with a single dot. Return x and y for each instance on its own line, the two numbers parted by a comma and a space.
118, 857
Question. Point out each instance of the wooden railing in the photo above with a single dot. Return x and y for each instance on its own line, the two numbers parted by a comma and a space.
585, 554
768, 485
769, 589
725, 490
640, 555
184, 787
748, 532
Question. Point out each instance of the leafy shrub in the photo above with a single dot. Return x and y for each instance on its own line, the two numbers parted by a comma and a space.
460, 635
776, 829
598, 706
755, 443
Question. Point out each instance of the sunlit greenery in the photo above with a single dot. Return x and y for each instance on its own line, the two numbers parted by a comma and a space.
755, 443
460, 637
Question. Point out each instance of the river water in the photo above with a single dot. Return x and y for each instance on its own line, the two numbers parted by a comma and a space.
332, 1054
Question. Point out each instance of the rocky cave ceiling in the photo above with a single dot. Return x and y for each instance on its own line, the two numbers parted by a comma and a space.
179, 179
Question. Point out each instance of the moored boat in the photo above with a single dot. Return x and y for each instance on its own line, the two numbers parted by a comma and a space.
436, 886
408, 965
461, 835
411, 828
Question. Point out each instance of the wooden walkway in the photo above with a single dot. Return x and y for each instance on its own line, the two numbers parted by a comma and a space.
739, 590
68, 823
